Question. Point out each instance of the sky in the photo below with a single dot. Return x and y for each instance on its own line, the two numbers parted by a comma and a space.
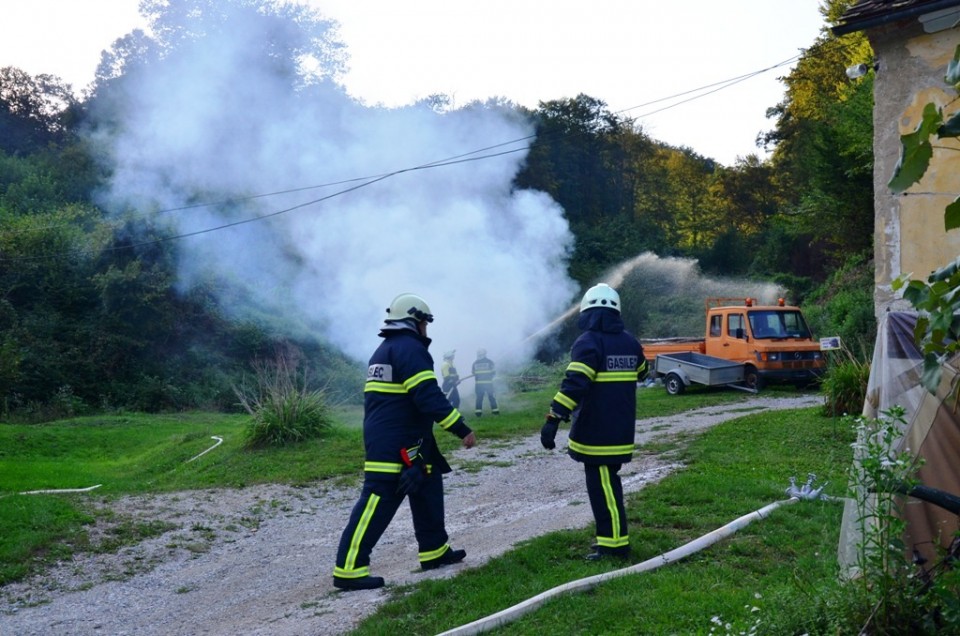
628, 53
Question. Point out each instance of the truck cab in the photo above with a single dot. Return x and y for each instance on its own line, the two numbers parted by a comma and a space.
772, 341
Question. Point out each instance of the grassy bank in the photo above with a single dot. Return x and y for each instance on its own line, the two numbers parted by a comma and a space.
777, 565
741, 470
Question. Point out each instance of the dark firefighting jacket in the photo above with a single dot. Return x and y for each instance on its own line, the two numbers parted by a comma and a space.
600, 384
402, 401
484, 371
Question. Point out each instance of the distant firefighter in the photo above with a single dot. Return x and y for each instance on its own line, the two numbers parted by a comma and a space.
484, 371
450, 378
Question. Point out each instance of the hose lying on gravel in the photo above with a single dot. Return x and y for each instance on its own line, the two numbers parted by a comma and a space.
511, 614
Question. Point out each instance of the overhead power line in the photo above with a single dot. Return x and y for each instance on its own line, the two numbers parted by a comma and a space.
362, 182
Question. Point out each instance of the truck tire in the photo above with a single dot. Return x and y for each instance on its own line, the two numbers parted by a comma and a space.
674, 384
751, 378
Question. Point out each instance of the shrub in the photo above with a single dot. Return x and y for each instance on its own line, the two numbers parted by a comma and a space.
843, 306
283, 408
845, 384
537, 375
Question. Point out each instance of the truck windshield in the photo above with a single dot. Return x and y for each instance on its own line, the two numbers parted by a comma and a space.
778, 324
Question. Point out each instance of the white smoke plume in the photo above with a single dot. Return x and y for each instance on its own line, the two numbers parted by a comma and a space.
490, 261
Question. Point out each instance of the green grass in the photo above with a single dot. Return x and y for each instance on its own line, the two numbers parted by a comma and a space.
733, 469
150, 453
656, 402
134, 454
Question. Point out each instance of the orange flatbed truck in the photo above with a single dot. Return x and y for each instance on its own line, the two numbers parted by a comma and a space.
773, 342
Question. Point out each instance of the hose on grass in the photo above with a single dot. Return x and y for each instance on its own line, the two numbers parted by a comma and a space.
806, 492
51, 491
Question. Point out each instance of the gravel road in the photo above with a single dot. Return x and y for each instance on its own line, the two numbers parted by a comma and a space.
259, 560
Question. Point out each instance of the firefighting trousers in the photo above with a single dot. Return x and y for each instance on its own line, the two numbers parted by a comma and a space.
486, 390
605, 491
373, 512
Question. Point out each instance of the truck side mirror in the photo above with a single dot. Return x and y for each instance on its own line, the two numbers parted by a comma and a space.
739, 333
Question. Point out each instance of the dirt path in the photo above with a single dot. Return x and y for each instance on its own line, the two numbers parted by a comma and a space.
259, 560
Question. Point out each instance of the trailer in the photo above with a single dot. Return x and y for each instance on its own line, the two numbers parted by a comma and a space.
680, 369
773, 342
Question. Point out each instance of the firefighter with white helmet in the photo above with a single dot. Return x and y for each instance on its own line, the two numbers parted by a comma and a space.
599, 387
402, 401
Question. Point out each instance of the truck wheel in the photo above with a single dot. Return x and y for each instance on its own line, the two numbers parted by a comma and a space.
751, 378
674, 384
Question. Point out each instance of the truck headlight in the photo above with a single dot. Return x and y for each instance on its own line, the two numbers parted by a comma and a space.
773, 356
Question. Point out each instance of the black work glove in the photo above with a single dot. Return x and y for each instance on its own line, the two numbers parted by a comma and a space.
411, 479
548, 433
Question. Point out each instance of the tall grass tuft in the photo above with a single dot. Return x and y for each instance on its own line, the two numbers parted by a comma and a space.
284, 409
845, 384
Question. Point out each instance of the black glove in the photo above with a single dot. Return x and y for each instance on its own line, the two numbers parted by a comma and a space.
411, 478
548, 433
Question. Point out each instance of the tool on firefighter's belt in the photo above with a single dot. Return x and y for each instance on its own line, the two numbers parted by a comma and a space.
414, 470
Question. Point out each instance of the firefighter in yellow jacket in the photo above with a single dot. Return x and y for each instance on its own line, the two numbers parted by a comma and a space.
451, 378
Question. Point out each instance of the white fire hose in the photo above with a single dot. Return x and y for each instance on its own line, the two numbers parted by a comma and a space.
55, 491
513, 613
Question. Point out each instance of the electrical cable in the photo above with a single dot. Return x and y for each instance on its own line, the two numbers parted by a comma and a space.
79, 252
366, 181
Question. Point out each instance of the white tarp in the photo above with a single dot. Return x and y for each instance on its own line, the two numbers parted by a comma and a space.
932, 433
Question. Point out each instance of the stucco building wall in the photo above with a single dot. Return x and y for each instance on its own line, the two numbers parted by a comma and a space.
909, 227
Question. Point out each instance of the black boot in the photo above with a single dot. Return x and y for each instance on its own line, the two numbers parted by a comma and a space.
450, 556
362, 583
600, 553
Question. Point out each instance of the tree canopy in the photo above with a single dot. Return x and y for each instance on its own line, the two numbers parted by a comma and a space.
92, 313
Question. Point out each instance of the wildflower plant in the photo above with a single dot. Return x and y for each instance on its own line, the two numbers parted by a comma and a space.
719, 626
881, 474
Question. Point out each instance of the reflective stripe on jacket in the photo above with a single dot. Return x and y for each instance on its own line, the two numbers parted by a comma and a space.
402, 401
600, 389
484, 371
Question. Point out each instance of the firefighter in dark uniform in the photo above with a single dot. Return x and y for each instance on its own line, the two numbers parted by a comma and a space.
600, 389
484, 371
402, 400
450, 378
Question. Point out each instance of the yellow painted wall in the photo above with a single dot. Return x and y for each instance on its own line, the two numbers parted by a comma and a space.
924, 244
910, 236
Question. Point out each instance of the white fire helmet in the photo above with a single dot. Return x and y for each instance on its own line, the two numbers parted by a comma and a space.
601, 295
408, 306
481, 353
448, 355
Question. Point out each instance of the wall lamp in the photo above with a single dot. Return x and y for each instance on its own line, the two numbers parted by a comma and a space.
859, 70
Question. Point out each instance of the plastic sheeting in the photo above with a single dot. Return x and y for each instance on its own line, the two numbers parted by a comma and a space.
932, 432
896, 368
